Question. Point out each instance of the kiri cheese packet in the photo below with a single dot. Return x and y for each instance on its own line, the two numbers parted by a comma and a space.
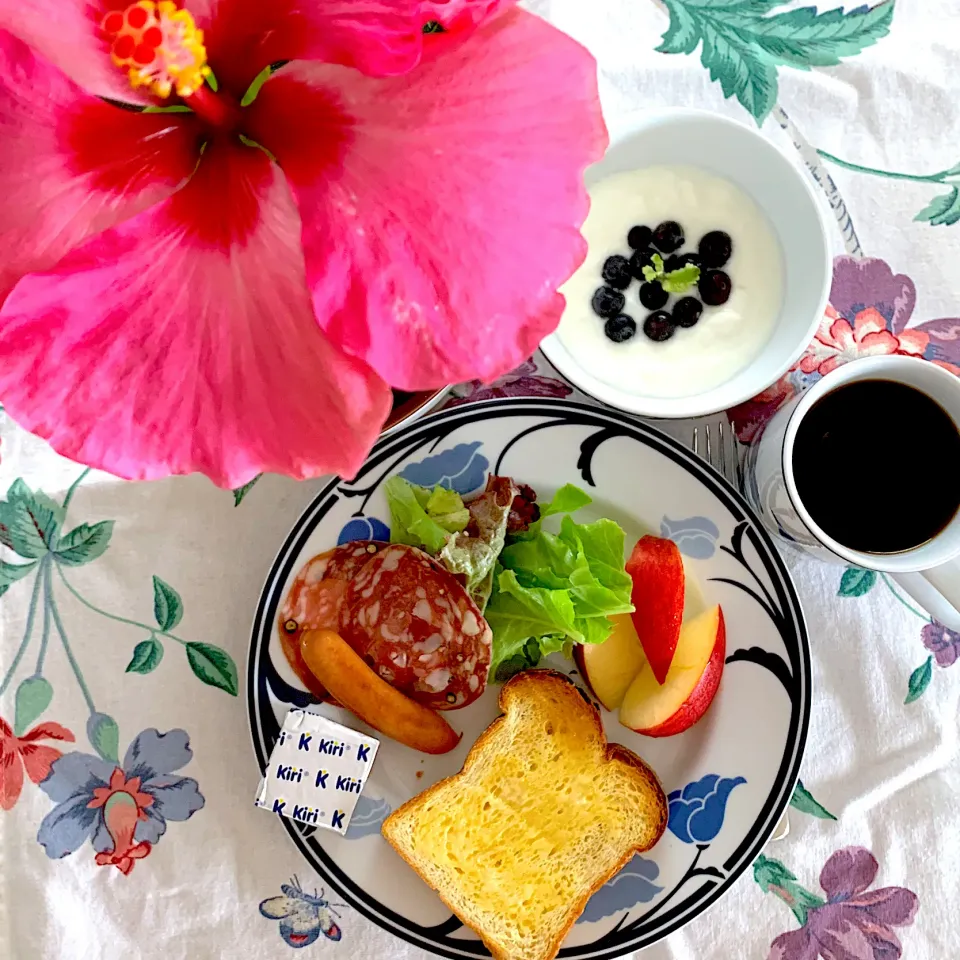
317, 771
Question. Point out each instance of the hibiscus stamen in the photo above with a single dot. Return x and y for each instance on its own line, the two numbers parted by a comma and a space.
159, 46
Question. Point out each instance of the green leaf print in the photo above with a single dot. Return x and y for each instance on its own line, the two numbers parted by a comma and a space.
804, 801
28, 521
104, 736
214, 666
10, 573
919, 680
743, 42
856, 582
147, 655
943, 211
33, 697
167, 605
84, 543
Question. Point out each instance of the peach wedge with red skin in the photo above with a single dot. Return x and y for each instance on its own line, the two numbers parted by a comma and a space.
663, 710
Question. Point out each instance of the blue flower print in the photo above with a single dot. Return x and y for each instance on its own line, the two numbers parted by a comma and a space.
364, 528
696, 812
368, 814
695, 537
632, 885
122, 810
462, 469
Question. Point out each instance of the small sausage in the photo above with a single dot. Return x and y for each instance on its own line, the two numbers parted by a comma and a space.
355, 685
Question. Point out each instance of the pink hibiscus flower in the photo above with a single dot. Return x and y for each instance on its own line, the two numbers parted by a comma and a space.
19, 754
838, 341
233, 288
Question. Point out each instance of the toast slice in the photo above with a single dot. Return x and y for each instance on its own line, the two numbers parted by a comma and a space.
544, 812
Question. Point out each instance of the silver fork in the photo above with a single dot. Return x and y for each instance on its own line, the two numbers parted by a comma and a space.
721, 449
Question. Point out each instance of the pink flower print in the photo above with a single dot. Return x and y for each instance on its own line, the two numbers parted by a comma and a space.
838, 341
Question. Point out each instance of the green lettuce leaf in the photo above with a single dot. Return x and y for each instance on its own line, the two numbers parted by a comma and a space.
568, 499
447, 508
578, 573
412, 520
517, 614
602, 543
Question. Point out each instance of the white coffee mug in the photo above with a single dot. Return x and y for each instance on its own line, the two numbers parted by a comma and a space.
930, 572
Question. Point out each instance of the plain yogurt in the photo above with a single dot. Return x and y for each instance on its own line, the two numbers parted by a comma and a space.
727, 338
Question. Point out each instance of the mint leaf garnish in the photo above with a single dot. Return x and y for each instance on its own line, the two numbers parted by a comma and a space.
676, 281
679, 281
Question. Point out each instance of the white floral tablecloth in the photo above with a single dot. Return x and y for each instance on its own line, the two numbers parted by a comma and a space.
126, 773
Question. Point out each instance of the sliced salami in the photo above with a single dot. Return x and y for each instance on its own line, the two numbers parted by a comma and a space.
315, 598
413, 622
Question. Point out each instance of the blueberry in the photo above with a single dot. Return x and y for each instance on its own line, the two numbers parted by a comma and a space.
668, 236
653, 296
640, 259
607, 302
715, 248
714, 287
688, 259
659, 326
620, 328
639, 237
616, 272
686, 311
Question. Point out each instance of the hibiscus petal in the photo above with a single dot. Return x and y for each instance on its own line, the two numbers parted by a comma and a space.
183, 340
848, 871
380, 38
461, 16
68, 34
11, 775
441, 209
895, 906
72, 165
793, 945
48, 731
37, 760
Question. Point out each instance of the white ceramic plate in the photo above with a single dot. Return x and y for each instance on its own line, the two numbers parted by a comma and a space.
728, 779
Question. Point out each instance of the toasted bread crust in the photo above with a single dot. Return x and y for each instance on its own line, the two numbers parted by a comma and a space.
588, 713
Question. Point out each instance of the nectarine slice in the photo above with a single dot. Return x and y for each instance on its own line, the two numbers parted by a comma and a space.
362, 691
662, 710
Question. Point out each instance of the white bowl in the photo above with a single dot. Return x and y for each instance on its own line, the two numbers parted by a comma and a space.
783, 192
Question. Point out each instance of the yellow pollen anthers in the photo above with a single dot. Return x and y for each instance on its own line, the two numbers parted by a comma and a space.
159, 46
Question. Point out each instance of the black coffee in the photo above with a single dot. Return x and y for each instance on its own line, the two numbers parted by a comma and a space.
877, 465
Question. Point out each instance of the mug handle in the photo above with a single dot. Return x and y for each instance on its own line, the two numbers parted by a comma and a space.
937, 591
